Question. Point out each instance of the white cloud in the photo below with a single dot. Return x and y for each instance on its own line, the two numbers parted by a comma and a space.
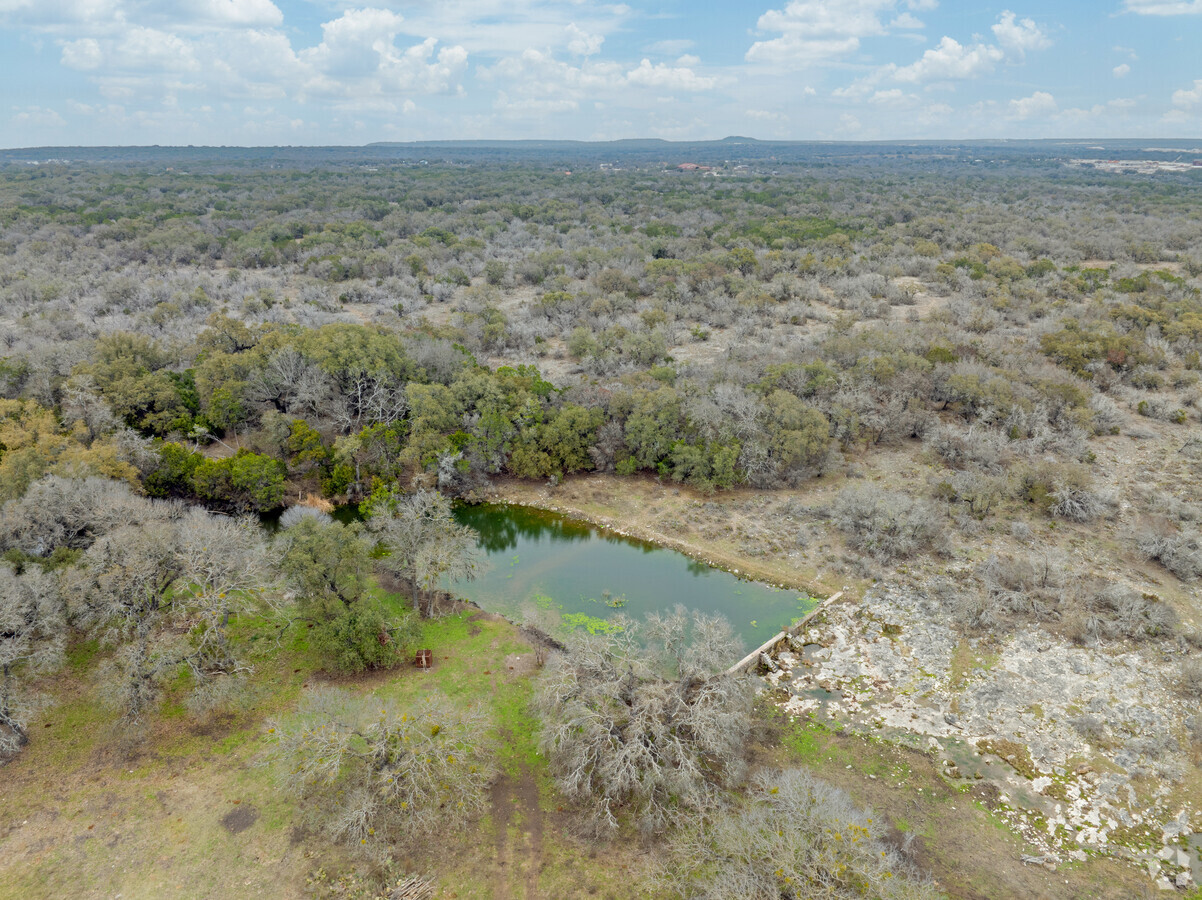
669, 78
112, 15
501, 27
894, 97
43, 13
534, 105
538, 72
1019, 35
1188, 98
583, 43
355, 43
360, 63
82, 54
358, 60
242, 13
905, 21
1115, 110
151, 49
1039, 105
816, 30
38, 117
1164, 7
1122, 71
849, 123
673, 47
536, 83
951, 60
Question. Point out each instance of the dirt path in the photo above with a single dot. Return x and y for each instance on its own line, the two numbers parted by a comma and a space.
532, 817
514, 801
501, 807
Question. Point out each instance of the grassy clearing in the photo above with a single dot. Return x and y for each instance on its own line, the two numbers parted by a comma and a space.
192, 811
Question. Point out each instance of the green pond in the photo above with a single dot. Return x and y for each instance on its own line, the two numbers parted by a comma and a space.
566, 572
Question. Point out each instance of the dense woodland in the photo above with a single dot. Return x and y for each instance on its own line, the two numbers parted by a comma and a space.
187, 347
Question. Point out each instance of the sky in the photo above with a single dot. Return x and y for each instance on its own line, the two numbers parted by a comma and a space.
325, 72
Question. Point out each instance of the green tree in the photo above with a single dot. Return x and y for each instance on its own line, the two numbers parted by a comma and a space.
329, 566
172, 476
246, 481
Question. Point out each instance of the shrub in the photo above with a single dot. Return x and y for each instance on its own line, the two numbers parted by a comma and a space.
1180, 553
1076, 504
1118, 611
656, 727
796, 837
1060, 490
961, 449
1028, 586
885, 524
375, 771
1107, 417
1190, 681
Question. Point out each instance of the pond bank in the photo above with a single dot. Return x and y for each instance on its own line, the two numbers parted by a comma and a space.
628, 506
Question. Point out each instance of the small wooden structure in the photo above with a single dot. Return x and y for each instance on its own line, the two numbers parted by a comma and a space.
424, 659
764, 651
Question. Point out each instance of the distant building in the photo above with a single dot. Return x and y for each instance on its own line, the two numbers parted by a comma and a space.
693, 167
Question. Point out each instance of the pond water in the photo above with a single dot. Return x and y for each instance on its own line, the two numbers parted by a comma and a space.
559, 569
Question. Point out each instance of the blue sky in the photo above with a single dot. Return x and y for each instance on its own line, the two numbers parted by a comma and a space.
328, 72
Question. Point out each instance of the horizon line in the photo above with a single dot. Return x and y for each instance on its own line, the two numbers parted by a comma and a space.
730, 139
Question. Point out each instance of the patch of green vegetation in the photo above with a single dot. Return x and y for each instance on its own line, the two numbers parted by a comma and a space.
591, 624
994, 820
81, 653
1018, 756
807, 742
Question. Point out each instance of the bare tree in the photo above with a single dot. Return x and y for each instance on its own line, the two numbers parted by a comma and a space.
226, 571
381, 771
164, 593
120, 591
425, 544
32, 633
81, 402
74, 512
656, 727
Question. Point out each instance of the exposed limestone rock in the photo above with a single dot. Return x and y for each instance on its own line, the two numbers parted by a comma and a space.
1062, 730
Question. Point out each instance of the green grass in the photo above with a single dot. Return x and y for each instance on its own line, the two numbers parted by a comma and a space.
807, 742
81, 653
